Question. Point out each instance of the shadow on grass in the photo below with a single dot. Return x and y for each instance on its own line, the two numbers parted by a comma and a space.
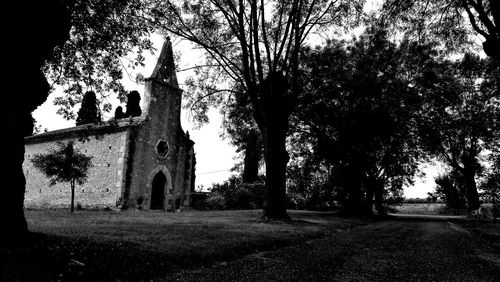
120, 247
49, 258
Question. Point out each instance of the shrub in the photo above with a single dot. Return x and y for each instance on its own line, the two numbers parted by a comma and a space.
198, 200
416, 201
240, 195
296, 201
449, 189
257, 192
215, 202
239, 198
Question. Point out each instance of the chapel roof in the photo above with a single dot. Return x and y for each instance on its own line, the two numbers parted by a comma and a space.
84, 130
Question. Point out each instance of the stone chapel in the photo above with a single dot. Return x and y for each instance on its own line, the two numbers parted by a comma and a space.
142, 162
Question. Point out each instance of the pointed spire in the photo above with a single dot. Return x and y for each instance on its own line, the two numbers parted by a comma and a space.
165, 67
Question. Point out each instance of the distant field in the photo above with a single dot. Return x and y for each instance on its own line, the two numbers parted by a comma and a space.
438, 209
431, 208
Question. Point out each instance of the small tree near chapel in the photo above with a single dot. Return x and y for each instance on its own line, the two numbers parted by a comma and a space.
64, 164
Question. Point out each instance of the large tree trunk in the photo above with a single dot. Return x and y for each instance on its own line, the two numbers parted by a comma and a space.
276, 158
24, 88
13, 181
379, 196
353, 186
253, 154
469, 173
369, 201
72, 196
271, 113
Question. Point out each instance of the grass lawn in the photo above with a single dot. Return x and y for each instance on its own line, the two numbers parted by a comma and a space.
132, 245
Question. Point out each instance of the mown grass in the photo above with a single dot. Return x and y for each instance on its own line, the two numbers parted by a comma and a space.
91, 245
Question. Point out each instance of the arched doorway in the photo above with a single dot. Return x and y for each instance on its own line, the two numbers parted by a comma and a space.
158, 191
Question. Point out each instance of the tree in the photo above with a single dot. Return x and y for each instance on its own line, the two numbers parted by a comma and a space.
119, 113
107, 36
358, 116
24, 89
65, 164
133, 107
490, 184
460, 121
244, 134
90, 26
256, 46
449, 188
89, 112
446, 19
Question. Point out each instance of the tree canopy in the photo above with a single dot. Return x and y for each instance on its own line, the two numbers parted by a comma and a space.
461, 119
133, 104
452, 21
358, 115
89, 111
107, 39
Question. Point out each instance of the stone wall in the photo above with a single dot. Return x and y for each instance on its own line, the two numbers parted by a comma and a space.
106, 178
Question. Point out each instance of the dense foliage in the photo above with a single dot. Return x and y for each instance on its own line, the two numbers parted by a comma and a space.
448, 21
450, 190
357, 120
231, 194
460, 122
106, 37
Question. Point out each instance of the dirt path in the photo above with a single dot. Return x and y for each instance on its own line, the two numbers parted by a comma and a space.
397, 250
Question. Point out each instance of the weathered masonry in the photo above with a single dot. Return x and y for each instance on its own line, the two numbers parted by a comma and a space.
144, 162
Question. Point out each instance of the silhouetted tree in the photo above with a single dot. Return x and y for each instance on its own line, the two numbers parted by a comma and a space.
244, 134
357, 119
65, 164
119, 113
255, 45
450, 189
133, 104
89, 112
101, 33
460, 121
24, 89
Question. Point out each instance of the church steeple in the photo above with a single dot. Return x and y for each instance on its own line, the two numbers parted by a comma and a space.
164, 70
